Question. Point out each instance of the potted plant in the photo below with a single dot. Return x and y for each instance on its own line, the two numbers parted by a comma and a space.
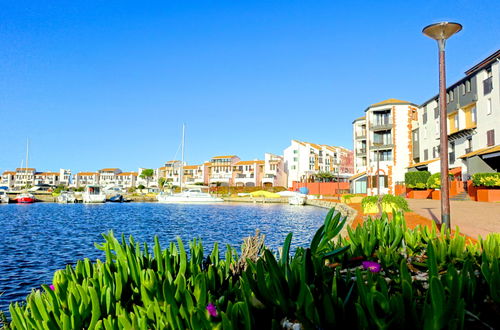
417, 181
488, 186
388, 203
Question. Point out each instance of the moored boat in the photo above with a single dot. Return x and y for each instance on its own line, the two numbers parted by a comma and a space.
25, 198
66, 197
93, 194
118, 198
4, 198
193, 195
297, 199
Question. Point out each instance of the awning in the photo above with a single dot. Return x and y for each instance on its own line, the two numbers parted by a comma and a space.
455, 170
355, 176
482, 151
423, 163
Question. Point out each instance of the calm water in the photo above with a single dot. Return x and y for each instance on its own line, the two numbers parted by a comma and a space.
40, 238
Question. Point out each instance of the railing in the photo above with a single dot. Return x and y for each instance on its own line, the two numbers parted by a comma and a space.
269, 176
381, 123
361, 134
360, 151
467, 150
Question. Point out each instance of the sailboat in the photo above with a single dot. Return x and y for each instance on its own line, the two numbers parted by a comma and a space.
25, 197
192, 195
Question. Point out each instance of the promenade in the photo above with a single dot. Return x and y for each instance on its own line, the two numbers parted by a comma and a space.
472, 218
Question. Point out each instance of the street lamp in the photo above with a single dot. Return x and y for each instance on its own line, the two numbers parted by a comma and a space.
441, 32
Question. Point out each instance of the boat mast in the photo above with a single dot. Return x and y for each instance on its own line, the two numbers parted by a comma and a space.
181, 174
26, 168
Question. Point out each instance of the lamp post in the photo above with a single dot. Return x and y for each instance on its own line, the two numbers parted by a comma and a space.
441, 32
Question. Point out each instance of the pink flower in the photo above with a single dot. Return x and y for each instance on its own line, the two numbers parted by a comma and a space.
52, 287
372, 266
212, 310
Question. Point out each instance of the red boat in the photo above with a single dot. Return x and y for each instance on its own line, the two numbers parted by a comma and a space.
25, 198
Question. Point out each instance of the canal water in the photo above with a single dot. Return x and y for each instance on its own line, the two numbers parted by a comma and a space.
38, 239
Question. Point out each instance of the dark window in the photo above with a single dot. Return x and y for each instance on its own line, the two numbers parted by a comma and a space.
490, 137
487, 85
424, 117
426, 154
436, 113
383, 180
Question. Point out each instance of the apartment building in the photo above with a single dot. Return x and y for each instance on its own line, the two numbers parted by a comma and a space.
50, 178
126, 179
24, 177
220, 170
83, 179
151, 182
8, 179
382, 142
196, 174
274, 171
109, 176
303, 160
171, 172
473, 115
248, 173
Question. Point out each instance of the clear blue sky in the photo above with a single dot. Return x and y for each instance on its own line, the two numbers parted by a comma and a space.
98, 84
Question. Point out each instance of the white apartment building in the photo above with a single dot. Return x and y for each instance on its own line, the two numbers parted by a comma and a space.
83, 179
109, 176
126, 179
171, 172
195, 174
248, 173
8, 179
220, 170
24, 177
148, 182
50, 178
303, 160
473, 115
274, 171
383, 134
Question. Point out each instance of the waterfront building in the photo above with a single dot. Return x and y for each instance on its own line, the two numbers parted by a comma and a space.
50, 178
473, 114
109, 176
83, 179
384, 134
171, 172
196, 174
248, 173
126, 179
274, 171
220, 170
64, 177
304, 160
24, 177
151, 182
8, 179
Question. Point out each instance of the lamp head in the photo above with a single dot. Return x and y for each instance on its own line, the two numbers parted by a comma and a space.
442, 30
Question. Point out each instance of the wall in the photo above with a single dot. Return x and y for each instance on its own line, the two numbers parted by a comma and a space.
321, 188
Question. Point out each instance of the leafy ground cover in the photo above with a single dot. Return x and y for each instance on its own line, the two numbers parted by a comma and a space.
381, 275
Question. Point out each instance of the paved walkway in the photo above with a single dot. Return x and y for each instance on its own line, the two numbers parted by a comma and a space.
472, 218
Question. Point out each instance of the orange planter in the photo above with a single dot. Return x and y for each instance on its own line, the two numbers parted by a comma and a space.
488, 195
419, 194
436, 194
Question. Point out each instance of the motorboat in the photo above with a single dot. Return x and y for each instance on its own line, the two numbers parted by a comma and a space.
4, 198
118, 198
192, 195
93, 194
297, 199
66, 197
25, 198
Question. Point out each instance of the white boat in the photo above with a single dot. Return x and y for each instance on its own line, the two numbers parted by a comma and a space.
193, 195
66, 197
93, 194
4, 198
297, 199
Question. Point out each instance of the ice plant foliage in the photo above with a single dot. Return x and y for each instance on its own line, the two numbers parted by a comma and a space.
372, 266
212, 310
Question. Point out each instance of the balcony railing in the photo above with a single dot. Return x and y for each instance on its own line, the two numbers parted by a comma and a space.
381, 145
361, 135
382, 123
269, 176
361, 151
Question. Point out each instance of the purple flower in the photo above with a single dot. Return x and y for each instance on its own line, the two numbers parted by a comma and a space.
52, 287
212, 310
372, 266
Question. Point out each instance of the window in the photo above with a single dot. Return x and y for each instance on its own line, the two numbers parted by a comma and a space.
424, 117
488, 106
463, 89
295, 159
456, 122
451, 96
382, 179
295, 151
488, 82
293, 167
467, 86
474, 114
490, 138
448, 97
436, 113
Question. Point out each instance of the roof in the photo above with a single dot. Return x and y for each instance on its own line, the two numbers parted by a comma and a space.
222, 157
47, 173
24, 169
87, 173
249, 162
9, 172
359, 118
299, 142
191, 167
423, 163
484, 63
389, 101
355, 176
482, 151
109, 169
127, 174
172, 161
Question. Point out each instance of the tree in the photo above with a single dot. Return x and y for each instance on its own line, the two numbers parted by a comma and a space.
325, 176
147, 174
161, 182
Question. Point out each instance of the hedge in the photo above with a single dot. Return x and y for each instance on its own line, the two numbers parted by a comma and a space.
486, 179
417, 179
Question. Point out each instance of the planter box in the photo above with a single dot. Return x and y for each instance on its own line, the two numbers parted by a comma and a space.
419, 194
355, 199
488, 195
436, 194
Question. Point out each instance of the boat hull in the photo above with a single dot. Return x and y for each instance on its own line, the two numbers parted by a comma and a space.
90, 199
25, 200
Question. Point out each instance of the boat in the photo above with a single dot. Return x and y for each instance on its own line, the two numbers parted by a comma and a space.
192, 195
297, 199
66, 197
4, 198
93, 194
118, 198
25, 198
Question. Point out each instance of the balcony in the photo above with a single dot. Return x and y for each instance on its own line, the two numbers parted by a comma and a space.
244, 176
381, 146
361, 151
361, 135
381, 124
269, 176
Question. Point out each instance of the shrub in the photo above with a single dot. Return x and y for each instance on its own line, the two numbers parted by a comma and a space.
383, 275
417, 179
434, 181
141, 186
486, 179
388, 202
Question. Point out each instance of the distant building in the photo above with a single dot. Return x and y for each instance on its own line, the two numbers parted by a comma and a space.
220, 170
304, 160
24, 177
126, 179
8, 179
109, 176
83, 179
274, 171
248, 173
